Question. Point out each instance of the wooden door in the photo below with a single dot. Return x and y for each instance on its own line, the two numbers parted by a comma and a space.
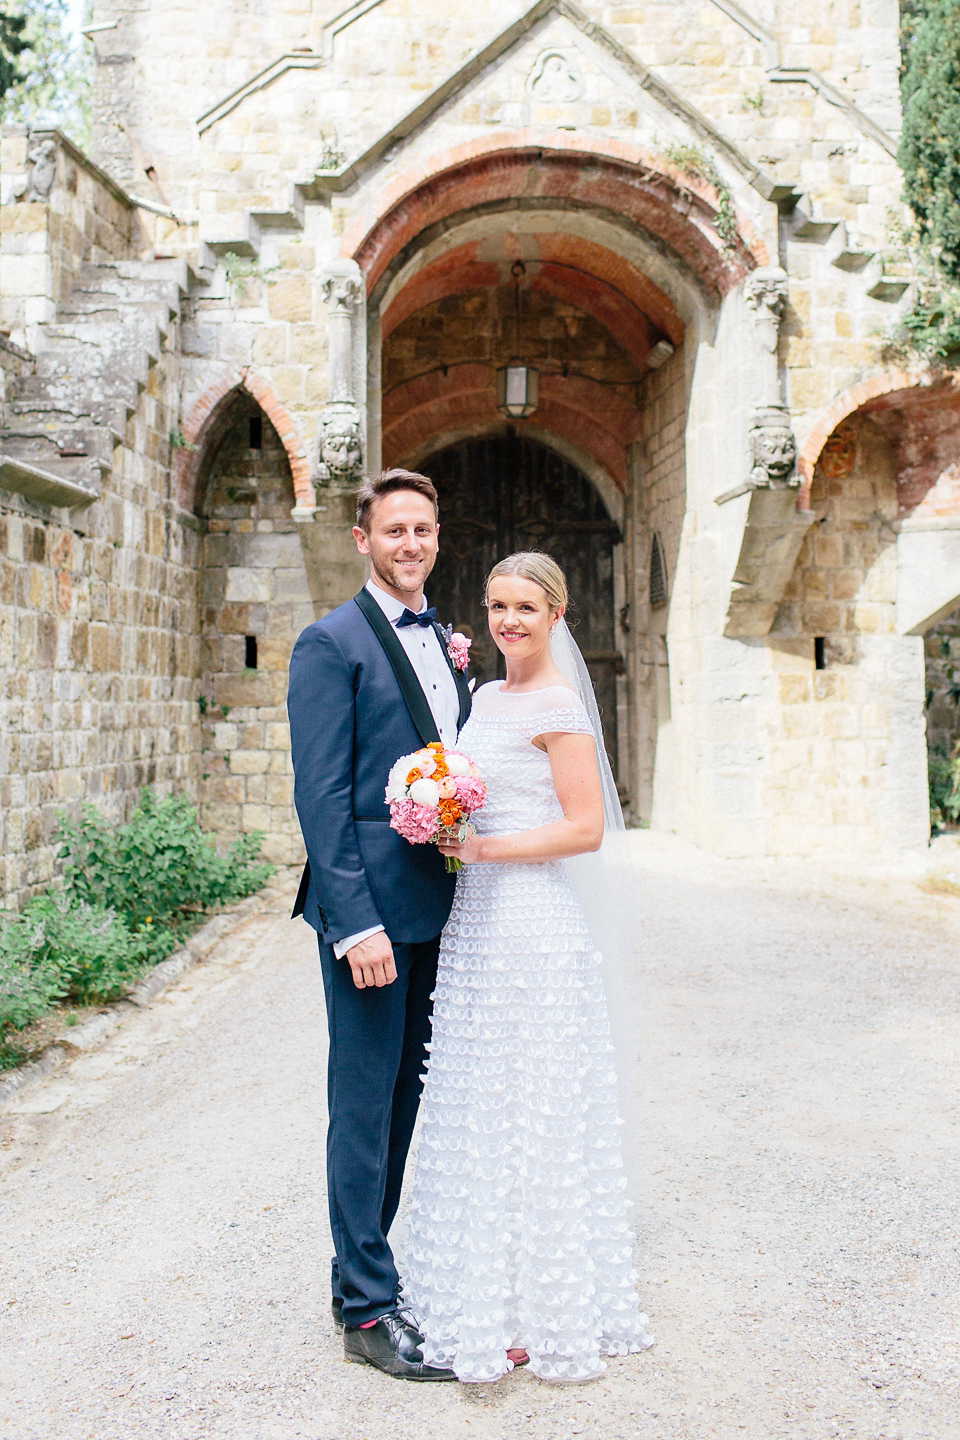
502, 493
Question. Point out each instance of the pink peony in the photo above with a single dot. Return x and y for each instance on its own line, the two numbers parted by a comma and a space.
471, 793
416, 823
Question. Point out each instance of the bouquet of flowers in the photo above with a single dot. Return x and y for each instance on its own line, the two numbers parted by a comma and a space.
432, 794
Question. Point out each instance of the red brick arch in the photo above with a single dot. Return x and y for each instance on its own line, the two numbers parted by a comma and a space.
573, 170
634, 310
206, 424
593, 417
920, 416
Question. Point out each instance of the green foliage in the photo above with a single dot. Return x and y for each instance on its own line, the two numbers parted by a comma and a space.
12, 44
691, 160
944, 777
159, 867
129, 893
27, 984
52, 81
929, 153
241, 271
89, 953
930, 330
332, 155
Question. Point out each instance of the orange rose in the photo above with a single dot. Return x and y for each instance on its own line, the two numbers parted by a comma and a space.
414, 775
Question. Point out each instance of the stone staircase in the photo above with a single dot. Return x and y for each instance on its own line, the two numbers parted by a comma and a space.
62, 421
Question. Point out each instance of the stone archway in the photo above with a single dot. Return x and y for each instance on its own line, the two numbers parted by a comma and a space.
255, 600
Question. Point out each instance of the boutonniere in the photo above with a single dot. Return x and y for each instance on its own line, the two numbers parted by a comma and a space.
458, 647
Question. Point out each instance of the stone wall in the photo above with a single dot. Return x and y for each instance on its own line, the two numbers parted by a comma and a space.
98, 646
849, 716
255, 599
44, 242
658, 507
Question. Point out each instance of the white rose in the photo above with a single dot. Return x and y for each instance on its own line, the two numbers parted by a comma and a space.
425, 792
458, 764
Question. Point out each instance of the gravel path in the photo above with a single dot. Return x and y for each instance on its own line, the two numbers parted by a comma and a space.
165, 1237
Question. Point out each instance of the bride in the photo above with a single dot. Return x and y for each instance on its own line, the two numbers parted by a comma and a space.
518, 1248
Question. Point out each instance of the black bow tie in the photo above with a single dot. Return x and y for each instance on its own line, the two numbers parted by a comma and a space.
426, 617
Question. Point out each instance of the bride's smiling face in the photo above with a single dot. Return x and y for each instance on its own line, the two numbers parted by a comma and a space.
520, 616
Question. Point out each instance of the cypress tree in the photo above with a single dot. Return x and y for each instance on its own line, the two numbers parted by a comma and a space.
929, 152
12, 44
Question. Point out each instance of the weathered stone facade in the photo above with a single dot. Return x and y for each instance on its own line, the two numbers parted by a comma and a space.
317, 224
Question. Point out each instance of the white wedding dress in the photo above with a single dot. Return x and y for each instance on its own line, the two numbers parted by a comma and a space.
518, 1233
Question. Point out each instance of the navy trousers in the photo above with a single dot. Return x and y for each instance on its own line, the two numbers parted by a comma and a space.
377, 1052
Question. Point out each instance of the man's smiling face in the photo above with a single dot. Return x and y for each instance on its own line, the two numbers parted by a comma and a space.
401, 542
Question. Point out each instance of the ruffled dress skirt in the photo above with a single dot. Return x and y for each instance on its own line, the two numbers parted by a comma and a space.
518, 1233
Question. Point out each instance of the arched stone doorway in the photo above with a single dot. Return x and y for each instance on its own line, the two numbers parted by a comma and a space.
255, 601
506, 491
607, 294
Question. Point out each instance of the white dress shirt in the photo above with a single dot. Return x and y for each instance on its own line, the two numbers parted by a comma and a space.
425, 653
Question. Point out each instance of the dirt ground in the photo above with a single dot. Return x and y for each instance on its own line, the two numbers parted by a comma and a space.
164, 1226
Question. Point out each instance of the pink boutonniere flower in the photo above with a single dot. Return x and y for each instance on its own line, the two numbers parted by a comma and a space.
458, 648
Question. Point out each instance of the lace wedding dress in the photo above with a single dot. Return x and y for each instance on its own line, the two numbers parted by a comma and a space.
518, 1234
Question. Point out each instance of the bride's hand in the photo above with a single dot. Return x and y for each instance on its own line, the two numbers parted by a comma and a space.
468, 851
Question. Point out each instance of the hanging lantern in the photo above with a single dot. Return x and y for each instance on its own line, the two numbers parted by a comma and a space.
517, 391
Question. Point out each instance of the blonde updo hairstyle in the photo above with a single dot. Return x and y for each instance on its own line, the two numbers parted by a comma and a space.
533, 565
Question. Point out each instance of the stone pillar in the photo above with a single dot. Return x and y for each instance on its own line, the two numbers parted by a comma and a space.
773, 449
342, 420
335, 570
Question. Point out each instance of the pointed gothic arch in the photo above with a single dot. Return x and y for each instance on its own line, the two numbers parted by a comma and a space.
205, 425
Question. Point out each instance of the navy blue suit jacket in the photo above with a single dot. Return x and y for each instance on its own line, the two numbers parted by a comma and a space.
355, 706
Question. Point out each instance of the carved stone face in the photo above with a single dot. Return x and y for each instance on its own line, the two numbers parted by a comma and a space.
775, 450
340, 448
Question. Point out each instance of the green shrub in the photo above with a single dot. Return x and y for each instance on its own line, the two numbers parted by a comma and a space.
27, 987
159, 867
129, 892
944, 776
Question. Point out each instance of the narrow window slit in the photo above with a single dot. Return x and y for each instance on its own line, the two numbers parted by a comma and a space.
819, 654
250, 651
256, 432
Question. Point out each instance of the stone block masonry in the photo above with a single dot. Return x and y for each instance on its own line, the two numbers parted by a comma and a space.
256, 600
172, 373
99, 647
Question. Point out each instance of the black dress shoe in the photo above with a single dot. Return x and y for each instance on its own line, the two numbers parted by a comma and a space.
336, 1310
392, 1346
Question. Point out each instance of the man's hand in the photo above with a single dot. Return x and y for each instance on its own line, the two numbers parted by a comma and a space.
371, 961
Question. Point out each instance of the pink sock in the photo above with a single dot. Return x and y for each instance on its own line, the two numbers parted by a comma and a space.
369, 1325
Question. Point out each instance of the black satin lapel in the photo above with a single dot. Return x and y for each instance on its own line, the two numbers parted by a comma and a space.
459, 678
410, 687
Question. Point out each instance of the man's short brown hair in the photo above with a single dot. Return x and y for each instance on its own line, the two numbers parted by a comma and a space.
385, 484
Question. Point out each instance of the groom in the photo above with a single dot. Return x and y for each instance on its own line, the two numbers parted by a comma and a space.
370, 682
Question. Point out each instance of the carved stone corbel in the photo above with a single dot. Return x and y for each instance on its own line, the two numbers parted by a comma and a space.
773, 528
773, 449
